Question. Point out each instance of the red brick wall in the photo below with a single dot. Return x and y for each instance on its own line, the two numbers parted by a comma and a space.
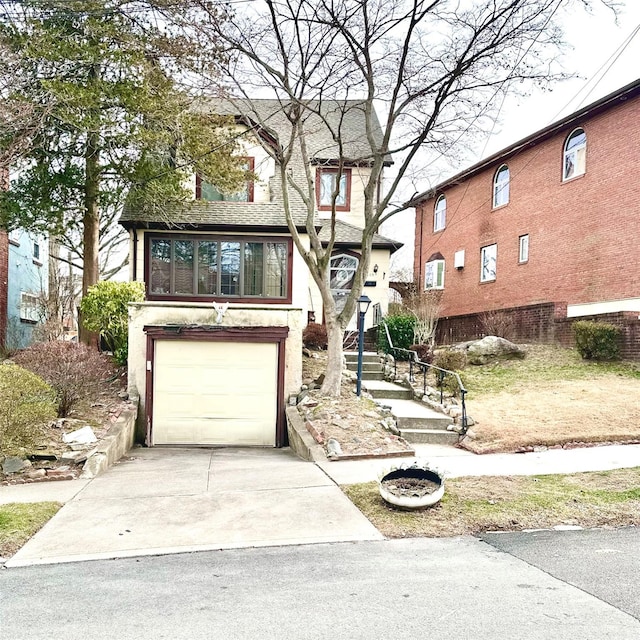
546, 323
583, 234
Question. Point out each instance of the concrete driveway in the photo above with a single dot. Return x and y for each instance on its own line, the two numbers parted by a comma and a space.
158, 501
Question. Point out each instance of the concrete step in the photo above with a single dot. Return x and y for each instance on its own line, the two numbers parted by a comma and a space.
410, 414
366, 366
383, 389
367, 356
372, 375
432, 436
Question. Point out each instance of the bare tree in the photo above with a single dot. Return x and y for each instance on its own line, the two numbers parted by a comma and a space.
435, 70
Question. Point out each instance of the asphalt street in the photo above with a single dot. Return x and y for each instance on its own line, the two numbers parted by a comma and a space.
461, 588
604, 563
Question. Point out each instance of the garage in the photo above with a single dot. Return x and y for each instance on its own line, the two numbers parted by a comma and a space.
214, 392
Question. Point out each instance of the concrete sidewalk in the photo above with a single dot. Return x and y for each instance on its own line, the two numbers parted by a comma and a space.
458, 462
159, 501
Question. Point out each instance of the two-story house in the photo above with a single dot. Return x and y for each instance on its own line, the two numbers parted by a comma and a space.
544, 232
215, 349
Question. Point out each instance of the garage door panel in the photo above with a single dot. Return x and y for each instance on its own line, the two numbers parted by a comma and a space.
215, 393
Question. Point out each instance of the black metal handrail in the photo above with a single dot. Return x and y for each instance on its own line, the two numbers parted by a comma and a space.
423, 366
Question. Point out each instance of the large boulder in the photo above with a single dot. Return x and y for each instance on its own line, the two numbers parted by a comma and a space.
492, 348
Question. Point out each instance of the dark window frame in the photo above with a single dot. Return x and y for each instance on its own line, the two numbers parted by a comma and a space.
208, 237
251, 162
334, 171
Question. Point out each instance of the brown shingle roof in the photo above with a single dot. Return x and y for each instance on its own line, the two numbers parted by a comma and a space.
348, 235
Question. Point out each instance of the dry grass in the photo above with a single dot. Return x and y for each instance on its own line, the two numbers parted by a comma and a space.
551, 398
474, 505
18, 522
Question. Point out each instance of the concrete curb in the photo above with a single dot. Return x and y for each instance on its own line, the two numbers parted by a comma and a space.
300, 440
116, 443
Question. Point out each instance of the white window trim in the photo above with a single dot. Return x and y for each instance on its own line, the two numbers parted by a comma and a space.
523, 250
440, 215
28, 307
431, 270
484, 257
573, 153
501, 187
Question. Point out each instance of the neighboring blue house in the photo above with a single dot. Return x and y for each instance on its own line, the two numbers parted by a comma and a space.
27, 286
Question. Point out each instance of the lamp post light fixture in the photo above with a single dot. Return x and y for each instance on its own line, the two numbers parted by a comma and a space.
363, 306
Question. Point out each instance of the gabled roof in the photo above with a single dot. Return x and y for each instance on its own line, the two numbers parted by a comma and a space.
629, 91
324, 122
349, 236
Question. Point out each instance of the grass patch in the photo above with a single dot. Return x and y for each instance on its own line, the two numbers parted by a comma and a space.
543, 364
479, 504
18, 522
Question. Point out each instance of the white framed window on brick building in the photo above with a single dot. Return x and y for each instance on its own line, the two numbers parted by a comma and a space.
440, 214
575, 155
488, 262
523, 251
501, 186
28, 307
434, 274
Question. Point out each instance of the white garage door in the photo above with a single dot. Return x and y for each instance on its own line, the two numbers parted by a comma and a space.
215, 393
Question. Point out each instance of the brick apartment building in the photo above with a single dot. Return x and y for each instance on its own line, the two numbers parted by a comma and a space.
545, 232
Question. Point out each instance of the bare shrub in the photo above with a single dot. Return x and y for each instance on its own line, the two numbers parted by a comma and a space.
76, 372
498, 323
424, 351
425, 307
314, 336
450, 359
27, 403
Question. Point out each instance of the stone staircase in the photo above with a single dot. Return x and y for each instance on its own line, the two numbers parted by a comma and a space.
416, 422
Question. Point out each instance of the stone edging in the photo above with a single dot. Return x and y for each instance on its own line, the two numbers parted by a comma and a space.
118, 440
300, 440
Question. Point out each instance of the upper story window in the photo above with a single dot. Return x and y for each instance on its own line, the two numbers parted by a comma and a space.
213, 267
575, 155
440, 214
434, 274
523, 251
329, 183
209, 192
36, 251
488, 261
501, 186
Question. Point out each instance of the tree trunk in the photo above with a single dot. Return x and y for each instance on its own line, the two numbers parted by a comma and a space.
91, 226
333, 375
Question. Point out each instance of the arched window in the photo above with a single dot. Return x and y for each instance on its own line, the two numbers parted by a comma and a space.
575, 155
440, 214
342, 271
501, 186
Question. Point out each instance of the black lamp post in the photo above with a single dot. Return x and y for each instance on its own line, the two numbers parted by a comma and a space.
363, 306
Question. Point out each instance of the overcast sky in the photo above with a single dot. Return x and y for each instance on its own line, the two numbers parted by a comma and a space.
594, 55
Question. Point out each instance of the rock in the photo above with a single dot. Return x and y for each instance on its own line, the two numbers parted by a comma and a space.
371, 414
37, 473
540, 448
13, 464
471, 434
333, 448
454, 412
319, 380
74, 457
490, 348
123, 395
83, 435
339, 422
308, 402
305, 352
